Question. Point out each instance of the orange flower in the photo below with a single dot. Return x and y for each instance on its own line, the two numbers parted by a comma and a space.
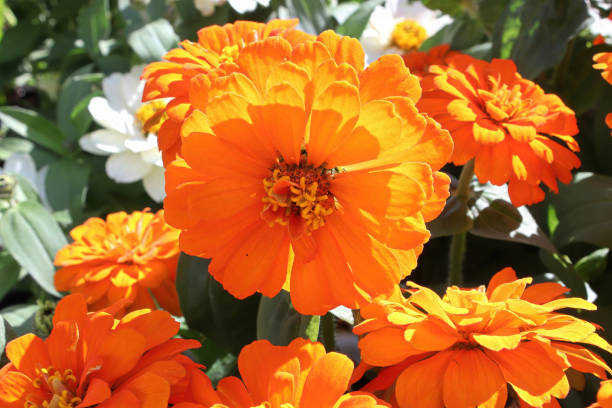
125, 257
609, 122
604, 62
604, 395
213, 56
461, 351
300, 375
419, 61
505, 122
309, 172
94, 360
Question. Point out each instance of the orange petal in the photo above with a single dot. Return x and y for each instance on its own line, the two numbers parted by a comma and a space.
414, 387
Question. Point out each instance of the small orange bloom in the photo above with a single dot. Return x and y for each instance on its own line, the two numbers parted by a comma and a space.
94, 360
609, 122
310, 173
125, 257
462, 350
604, 395
506, 123
419, 61
213, 56
604, 62
300, 375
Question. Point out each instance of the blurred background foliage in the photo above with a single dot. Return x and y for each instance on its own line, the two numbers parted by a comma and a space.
54, 54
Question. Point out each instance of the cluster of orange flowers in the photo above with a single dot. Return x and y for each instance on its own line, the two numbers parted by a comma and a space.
293, 166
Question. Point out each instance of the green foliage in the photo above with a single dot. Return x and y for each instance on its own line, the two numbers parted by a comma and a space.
66, 185
562, 267
9, 273
354, 25
6, 334
312, 14
32, 237
94, 25
34, 127
279, 323
153, 40
211, 310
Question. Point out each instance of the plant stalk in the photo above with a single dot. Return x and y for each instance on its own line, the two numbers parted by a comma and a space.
458, 241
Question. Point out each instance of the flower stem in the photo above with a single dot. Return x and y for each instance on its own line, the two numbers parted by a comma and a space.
457, 246
327, 331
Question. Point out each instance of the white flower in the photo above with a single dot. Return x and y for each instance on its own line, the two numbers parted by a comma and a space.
392, 28
132, 149
600, 26
207, 7
245, 6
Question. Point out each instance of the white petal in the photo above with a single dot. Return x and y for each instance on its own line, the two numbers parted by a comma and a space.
264, 3
127, 167
108, 116
152, 156
139, 145
131, 89
111, 86
243, 6
103, 142
206, 7
153, 183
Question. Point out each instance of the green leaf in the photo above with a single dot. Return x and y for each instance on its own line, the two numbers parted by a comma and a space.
153, 40
563, 268
77, 88
312, 14
1, 21
7, 333
21, 318
450, 7
534, 33
32, 237
94, 25
34, 127
9, 273
17, 42
583, 209
208, 308
495, 217
592, 266
279, 323
12, 145
355, 24
453, 220
66, 186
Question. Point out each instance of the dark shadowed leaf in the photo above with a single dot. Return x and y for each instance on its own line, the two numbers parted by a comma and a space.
94, 25
9, 273
312, 14
279, 323
355, 24
66, 186
34, 127
211, 310
563, 268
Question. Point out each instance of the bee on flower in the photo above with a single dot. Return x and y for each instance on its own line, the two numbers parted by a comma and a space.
129, 132
400, 27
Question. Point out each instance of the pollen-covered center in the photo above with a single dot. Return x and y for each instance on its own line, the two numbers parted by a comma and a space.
502, 101
298, 196
408, 35
229, 53
61, 386
150, 116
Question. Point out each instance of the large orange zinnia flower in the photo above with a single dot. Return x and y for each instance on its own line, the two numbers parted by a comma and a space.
461, 351
94, 360
212, 56
309, 172
300, 375
419, 61
505, 123
125, 257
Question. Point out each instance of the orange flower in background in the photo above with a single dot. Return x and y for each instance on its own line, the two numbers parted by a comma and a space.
604, 395
213, 56
127, 257
604, 62
300, 375
94, 360
419, 61
609, 122
309, 173
506, 123
462, 350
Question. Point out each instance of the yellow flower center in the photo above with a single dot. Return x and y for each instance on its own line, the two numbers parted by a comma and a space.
408, 35
298, 196
150, 116
503, 102
62, 388
229, 53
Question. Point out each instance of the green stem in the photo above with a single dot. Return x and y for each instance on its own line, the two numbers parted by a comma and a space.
328, 332
457, 246
309, 327
457, 251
